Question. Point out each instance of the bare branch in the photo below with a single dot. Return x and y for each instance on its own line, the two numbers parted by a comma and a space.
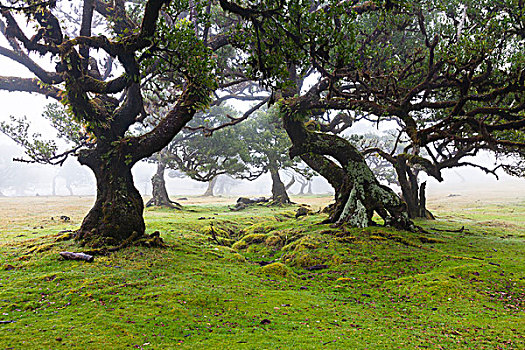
26, 61
233, 121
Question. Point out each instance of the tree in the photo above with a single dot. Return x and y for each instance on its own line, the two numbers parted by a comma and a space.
205, 156
73, 175
303, 183
386, 157
189, 151
266, 143
6, 173
225, 184
159, 193
450, 73
9, 173
244, 150
517, 164
19, 179
148, 48
202, 156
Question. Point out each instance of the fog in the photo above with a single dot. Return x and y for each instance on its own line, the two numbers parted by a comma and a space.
22, 179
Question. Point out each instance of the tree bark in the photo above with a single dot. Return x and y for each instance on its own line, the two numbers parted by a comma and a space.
423, 211
160, 197
412, 193
219, 188
116, 215
290, 184
409, 186
211, 185
279, 194
358, 193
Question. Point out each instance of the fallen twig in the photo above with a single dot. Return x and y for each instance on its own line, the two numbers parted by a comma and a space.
76, 256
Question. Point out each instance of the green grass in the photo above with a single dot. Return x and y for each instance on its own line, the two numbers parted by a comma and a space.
382, 289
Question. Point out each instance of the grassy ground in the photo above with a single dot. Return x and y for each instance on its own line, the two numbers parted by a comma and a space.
376, 288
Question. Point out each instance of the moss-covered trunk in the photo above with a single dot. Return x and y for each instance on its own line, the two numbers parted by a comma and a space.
358, 193
116, 216
357, 204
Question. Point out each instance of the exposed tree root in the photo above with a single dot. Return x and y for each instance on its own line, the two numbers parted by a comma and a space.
153, 202
151, 241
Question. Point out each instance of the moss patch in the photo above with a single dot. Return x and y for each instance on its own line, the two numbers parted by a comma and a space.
277, 269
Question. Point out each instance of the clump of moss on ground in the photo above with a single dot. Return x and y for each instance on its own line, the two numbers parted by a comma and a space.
278, 269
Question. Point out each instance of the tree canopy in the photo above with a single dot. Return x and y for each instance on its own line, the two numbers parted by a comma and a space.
449, 72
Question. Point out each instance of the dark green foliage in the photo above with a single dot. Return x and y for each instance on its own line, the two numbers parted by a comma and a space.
268, 144
202, 156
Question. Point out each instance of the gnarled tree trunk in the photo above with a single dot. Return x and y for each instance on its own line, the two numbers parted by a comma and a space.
211, 185
423, 211
117, 213
415, 198
358, 192
303, 186
279, 194
290, 184
303, 183
69, 188
412, 193
160, 195
54, 186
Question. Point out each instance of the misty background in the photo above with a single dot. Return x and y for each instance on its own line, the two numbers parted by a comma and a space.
24, 179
